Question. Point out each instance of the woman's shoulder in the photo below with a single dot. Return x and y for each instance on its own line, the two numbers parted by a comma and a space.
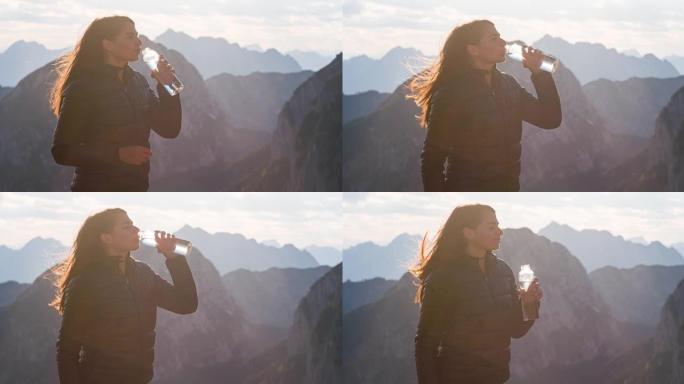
502, 266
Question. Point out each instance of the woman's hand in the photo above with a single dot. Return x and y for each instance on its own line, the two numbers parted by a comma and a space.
532, 59
533, 294
164, 72
135, 154
166, 243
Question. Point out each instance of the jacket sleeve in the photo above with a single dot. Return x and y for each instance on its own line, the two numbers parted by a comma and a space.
75, 319
545, 111
431, 327
442, 115
165, 112
74, 121
181, 297
519, 328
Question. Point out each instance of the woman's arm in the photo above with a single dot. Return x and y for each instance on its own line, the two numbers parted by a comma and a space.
68, 143
431, 326
518, 327
435, 147
181, 297
166, 113
545, 111
75, 319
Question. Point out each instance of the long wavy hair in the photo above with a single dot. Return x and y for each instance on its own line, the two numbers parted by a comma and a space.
87, 54
86, 249
448, 243
452, 61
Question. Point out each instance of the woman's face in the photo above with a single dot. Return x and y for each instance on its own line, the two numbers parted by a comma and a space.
487, 235
125, 46
491, 49
124, 235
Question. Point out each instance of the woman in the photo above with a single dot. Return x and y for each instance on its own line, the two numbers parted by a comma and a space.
106, 110
470, 306
473, 113
109, 301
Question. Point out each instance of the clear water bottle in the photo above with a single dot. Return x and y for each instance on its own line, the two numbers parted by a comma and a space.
151, 58
514, 49
525, 277
182, 248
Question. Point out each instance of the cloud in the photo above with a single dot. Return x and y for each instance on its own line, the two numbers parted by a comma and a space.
297, 218
642, 25
296, 24
379, 217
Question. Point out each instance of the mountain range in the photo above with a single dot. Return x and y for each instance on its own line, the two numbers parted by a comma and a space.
232, 251
23, 265
363, 73
22, 58
592, 61
213, 56
598, 249
368, 260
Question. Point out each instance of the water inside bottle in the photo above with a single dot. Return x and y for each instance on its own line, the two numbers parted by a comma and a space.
151, 58
182, 247
514, 49
525, 276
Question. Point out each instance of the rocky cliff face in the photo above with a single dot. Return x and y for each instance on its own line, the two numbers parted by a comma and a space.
308, 140
360, 104
575, 325
636, 294
268, 297
356, 294
304, 153
658, 167
667, 361
254, 101
314, 342
9, 291
669, 141
631, 106
26, 127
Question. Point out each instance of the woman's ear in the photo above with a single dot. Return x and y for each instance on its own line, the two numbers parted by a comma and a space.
106, 238
473, 50
107, 46
468, 233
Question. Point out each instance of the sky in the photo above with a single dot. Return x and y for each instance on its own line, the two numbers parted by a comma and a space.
379, 217
373, 27
298, 218
285, 25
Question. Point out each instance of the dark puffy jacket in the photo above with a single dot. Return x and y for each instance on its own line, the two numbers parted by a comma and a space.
112, 318
98, 115
476, 130
467, 320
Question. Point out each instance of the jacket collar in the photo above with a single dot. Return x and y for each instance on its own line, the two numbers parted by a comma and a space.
111, 72
479, 74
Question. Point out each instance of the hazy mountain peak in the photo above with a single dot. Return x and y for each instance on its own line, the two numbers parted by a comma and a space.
40, 242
